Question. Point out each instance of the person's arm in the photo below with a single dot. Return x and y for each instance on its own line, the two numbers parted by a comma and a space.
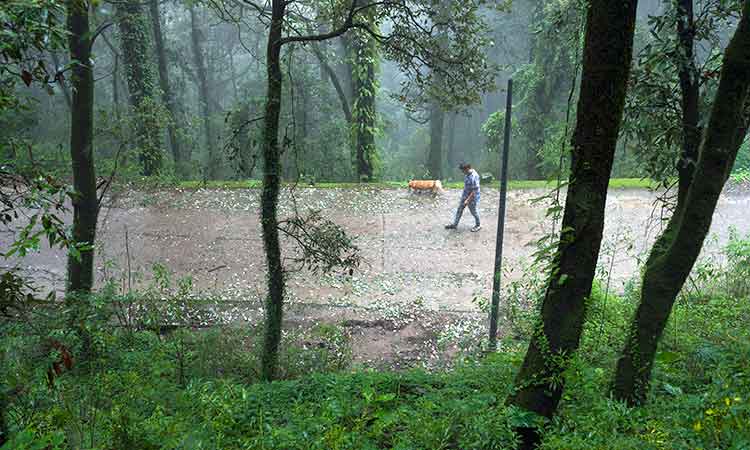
469, 198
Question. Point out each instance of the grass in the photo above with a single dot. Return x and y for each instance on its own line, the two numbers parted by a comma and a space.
615, 183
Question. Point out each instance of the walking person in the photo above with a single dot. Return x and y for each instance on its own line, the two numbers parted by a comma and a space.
469, 197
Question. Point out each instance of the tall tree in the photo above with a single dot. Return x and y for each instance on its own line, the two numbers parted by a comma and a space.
270, 194
550, 67
135, 39
676, 250
85, 203
363, 63
453, 159
607, 54
212, 166
180, 160
436, 107
435, 154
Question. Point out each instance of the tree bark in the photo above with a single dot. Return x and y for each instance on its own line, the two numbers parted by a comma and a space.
203, 92
606, 66
141, 80
435, 157
363, 53
675, 252
690, 90
166, 90
85, 202
241, 126
270, 195
451, 150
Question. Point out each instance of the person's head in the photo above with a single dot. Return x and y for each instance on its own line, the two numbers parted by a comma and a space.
465, 167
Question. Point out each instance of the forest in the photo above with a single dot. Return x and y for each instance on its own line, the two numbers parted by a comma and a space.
236, 224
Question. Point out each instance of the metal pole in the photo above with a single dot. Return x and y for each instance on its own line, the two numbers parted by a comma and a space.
501, 221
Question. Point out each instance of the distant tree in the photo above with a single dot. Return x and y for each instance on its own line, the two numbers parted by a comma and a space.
549, 71
180, 154
204, 94
676, 250
607, 56
135, 43
435, 154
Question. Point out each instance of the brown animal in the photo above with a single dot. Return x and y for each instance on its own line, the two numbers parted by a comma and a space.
435, 186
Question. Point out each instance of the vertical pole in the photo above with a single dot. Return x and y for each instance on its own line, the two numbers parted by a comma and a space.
501, 221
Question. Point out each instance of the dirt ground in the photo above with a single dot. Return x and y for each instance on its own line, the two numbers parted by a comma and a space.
412, 265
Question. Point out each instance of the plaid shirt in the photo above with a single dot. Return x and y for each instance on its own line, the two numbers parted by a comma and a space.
471, 184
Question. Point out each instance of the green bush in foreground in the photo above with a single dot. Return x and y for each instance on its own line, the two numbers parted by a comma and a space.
195, 389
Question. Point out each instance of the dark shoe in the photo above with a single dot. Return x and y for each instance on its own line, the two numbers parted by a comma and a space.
450, 227
476, 228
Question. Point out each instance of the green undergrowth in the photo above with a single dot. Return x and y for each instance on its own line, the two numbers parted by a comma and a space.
132, 396
615, 183
135, 387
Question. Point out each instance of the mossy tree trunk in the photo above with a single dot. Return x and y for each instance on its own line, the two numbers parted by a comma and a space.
85, 202
270, 196
690, 90
180, 159
675, 252
141, 81
606, 66
364, 54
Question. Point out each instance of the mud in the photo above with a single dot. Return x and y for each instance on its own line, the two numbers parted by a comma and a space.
214, 237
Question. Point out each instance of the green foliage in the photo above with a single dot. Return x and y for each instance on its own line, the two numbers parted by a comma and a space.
27, 30
652, 122
189, 388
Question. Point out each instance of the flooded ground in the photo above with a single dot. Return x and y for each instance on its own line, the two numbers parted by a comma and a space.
214, 237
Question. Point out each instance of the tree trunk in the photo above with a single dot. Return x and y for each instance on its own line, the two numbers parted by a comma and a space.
85, 203
690, 89
363, 53
270, 196
166, 89
115, 73
203, 92
141, 80
435, 158
606, 65
675, 252
241, 126
451, 150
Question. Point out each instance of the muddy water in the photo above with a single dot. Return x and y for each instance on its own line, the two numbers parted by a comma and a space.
214, 237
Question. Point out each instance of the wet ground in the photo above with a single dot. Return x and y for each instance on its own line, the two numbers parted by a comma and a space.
411, 263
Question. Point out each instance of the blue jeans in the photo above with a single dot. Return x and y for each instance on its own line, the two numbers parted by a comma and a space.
473, 208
